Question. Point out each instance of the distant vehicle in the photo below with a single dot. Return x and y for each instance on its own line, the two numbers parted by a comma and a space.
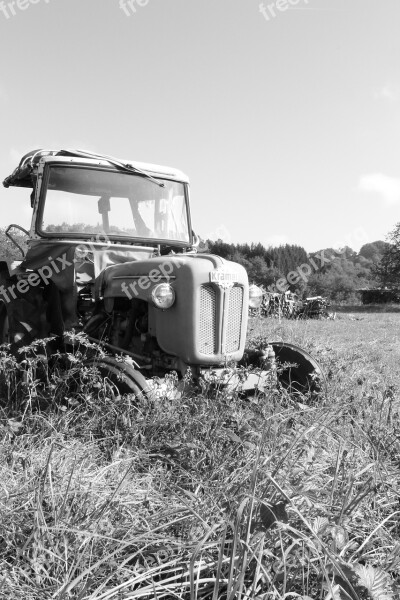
314, 308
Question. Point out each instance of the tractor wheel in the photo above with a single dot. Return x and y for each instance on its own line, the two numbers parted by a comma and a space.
116, 379
127, 379
304, 376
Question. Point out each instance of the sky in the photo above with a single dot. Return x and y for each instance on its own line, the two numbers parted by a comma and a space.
285, 114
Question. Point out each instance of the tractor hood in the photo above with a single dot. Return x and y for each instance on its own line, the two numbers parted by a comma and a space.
141, 276
208, 320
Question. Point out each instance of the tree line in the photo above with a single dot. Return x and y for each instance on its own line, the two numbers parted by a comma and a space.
329, 272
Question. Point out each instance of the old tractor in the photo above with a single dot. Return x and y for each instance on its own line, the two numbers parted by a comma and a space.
111, 254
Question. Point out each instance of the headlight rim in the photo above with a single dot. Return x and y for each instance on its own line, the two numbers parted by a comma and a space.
159, 304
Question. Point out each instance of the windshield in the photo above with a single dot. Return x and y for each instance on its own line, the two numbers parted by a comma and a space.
85, 201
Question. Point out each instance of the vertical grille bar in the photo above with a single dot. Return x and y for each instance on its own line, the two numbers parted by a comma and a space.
234, 319
208, 319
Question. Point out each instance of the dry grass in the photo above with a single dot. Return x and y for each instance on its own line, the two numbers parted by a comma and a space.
208, 496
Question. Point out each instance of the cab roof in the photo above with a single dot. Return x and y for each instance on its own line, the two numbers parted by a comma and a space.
25, 174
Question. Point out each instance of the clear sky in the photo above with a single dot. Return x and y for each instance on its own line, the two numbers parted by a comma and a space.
286, 121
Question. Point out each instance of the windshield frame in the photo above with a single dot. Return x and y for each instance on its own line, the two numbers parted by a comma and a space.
111, 236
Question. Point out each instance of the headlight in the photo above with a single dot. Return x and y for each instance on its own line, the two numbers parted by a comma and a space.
255, 296
163, 295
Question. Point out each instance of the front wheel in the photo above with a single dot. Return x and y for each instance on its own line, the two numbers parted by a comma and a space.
298, 371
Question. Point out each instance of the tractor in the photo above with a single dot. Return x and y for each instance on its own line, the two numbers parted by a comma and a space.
111, 254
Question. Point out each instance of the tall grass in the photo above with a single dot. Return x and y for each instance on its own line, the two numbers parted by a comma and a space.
208, 495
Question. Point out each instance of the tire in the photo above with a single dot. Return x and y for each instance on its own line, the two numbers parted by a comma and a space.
118, 378
125, 377
305, 376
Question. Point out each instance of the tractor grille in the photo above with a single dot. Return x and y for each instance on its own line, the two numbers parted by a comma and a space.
209, 326
234, 319
208, 319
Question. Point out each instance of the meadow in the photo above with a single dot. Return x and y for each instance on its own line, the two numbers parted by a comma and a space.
210, 495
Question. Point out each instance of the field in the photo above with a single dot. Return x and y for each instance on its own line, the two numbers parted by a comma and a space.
210, 495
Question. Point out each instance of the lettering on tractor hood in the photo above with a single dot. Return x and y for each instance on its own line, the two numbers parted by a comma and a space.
221, 276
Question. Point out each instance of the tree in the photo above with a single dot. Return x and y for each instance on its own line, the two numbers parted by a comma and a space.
259, 271
374, 251
388, 270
